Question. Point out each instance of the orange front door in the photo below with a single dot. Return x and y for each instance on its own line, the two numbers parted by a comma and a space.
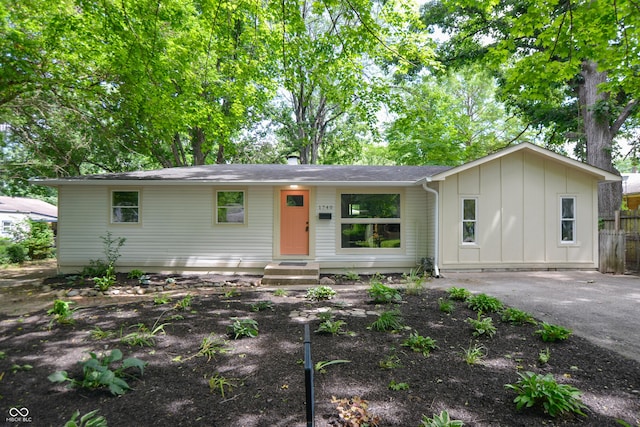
294, 222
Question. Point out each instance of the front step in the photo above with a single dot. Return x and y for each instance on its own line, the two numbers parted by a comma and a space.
291, 273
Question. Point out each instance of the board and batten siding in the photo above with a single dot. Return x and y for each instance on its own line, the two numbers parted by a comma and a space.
518, 215
177, 230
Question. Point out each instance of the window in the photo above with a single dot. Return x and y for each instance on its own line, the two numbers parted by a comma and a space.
125, 206
230, 207
568, 219
370, 221
7, 227
469, 219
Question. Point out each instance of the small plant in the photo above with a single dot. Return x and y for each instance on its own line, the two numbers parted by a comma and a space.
20, 368
484, 303
61, 312
135, 274
98, 334
185, 303
352, 276
97, 372
262, 305
144, 337
445, 305
243, 328
483, 326
354, 412
329, 326
420, 344
219, 383
383, 294
319, 293
458, 294
391, 361
231, 293
552, 333
90, 419
161, 299
388, 321
103, 283
211, 347
280, 292
544, 356
441, 420
517, 317
474, 353
322, 365
556, 399
393, 385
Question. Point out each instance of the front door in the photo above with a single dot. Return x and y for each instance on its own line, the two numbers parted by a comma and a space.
294, 222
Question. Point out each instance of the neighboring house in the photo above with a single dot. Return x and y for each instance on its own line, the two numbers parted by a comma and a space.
631, 190
16, 210
522, 208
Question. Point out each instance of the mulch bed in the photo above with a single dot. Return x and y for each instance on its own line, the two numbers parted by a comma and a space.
267, 373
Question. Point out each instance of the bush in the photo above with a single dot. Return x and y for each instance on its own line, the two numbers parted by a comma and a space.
17, 253
40, 242
484, 303
383, 294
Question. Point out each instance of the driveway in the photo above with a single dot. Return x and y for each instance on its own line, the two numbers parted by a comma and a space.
605, 309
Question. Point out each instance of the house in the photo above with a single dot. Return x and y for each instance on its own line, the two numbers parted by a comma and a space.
521, 208
16, 210
631, 190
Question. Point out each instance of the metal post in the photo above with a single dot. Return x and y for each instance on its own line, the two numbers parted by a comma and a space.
308, 376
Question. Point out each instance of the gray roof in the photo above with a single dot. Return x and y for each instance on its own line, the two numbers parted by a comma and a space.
266, 174
27, 206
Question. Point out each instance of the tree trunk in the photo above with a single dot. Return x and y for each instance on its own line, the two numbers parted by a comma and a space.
197, 141
599, 136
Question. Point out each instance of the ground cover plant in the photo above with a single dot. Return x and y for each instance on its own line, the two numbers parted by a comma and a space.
198, 374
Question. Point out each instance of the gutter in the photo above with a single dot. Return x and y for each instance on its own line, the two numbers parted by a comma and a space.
436, 244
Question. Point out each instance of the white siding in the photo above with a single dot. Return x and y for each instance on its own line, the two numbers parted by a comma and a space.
177, 231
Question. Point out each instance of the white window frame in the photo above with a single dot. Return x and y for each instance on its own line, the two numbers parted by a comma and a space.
572, 220
473, 221
112, 207
7, 227
370, 220
244, 206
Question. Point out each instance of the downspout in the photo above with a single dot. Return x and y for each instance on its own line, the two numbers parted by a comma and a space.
436, 244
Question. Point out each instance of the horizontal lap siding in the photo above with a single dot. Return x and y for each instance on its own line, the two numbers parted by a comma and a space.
177, 228
414, 225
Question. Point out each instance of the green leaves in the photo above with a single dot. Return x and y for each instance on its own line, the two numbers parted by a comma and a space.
556, 399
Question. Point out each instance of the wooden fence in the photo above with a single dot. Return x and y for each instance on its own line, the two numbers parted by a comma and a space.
620, 243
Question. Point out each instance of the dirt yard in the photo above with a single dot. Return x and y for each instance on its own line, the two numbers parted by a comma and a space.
260, 381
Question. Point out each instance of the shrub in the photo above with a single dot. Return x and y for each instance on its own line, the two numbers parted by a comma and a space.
97, 372
551, 333
484, 303
556, 399
383, 294
17, 253
39, 242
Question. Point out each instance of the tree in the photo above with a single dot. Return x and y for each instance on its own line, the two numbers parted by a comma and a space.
570, 66
450, 119
326, 47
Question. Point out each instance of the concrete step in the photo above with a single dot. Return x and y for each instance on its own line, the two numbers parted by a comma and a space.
291, 273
